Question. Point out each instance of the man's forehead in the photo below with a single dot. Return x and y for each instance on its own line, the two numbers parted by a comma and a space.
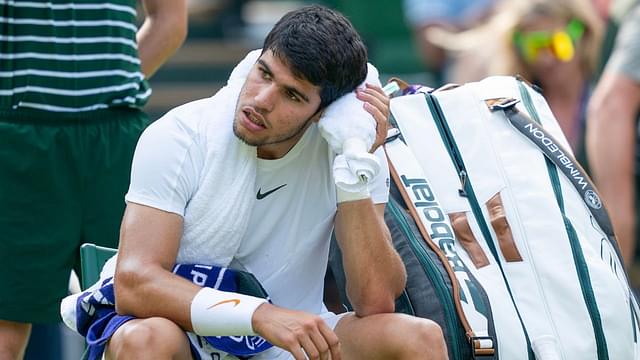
282, 71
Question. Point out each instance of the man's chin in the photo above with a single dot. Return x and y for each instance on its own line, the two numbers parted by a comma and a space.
244, 139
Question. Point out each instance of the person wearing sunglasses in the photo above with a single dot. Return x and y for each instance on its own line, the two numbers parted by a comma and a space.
561, 43
555, 45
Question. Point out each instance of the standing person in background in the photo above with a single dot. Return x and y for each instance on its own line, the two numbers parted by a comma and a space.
557, 46
612, 133
72, 85
554, 44
452, 15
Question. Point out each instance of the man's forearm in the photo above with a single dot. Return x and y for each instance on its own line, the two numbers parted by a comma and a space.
154, 292
144, 283
162, 33
374, 271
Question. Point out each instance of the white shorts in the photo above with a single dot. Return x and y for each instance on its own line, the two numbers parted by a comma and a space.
208, 352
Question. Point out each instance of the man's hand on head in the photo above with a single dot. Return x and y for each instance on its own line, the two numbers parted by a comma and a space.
376, 103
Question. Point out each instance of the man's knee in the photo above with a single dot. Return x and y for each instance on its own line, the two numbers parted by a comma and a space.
13, 339
427, 338
391, 336
151, 338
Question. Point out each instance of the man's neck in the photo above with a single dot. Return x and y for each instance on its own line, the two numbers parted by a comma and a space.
280, 149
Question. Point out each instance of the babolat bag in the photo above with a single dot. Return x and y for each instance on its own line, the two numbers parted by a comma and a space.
509, 241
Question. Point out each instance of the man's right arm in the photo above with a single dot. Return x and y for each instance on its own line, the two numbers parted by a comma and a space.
144, 283
145, 286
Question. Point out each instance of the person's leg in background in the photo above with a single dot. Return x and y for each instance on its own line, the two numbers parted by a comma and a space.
110, 144
13, 339
45, 342
39, 218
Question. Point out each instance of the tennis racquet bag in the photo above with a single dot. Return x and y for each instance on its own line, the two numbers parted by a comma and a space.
429, 292
493, 191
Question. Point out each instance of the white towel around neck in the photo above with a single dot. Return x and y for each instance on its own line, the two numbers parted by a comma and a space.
217, 215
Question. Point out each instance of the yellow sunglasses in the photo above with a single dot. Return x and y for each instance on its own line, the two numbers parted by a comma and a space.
562, 42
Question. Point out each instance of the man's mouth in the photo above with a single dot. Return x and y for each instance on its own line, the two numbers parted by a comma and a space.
254, 118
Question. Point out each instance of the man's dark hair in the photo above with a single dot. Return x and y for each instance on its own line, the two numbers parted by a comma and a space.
321, 46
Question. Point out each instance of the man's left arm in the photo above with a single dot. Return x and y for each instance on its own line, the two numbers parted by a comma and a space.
374, 271
375, 274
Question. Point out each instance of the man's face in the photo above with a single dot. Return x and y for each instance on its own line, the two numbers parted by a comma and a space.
274, 108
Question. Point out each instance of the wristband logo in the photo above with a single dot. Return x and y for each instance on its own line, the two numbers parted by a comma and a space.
234, 301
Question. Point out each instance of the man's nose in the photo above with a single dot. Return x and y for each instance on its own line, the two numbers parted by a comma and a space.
266, 97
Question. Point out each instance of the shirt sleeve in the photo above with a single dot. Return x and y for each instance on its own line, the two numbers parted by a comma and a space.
166, 166
625, 58
379, 187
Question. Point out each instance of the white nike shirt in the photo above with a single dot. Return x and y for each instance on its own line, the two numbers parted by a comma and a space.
286, 245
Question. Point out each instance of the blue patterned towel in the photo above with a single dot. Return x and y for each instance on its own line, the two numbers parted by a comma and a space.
97, 320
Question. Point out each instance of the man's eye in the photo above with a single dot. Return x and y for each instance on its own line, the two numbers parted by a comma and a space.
292, 96
265, 75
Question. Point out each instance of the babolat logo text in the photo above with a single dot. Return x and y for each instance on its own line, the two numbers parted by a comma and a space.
559, 154
434, 218
435, 222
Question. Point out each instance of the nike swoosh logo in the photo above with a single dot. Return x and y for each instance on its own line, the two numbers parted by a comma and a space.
234, 301
261, 196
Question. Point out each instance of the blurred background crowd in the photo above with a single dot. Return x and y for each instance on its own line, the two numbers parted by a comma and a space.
562, 46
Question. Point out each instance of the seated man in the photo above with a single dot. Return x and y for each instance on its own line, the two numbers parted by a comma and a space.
189, 179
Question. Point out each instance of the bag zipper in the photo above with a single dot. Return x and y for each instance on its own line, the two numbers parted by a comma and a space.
468, 192
430, 269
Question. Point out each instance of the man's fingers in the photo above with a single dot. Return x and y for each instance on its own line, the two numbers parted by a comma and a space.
381, 125
321, 344
297, 352
376, 103
309, 347
381, 119
301, 334
332, 341
377, 91
379, 101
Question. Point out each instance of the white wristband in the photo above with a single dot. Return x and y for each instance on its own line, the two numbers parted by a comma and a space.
344, 196
221, 313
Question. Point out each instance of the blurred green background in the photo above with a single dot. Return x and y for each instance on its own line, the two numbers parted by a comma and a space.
221, 32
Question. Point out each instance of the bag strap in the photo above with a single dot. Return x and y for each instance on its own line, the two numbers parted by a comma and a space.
563, 160
415, 191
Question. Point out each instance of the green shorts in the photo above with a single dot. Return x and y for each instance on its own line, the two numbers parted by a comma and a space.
62, 183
